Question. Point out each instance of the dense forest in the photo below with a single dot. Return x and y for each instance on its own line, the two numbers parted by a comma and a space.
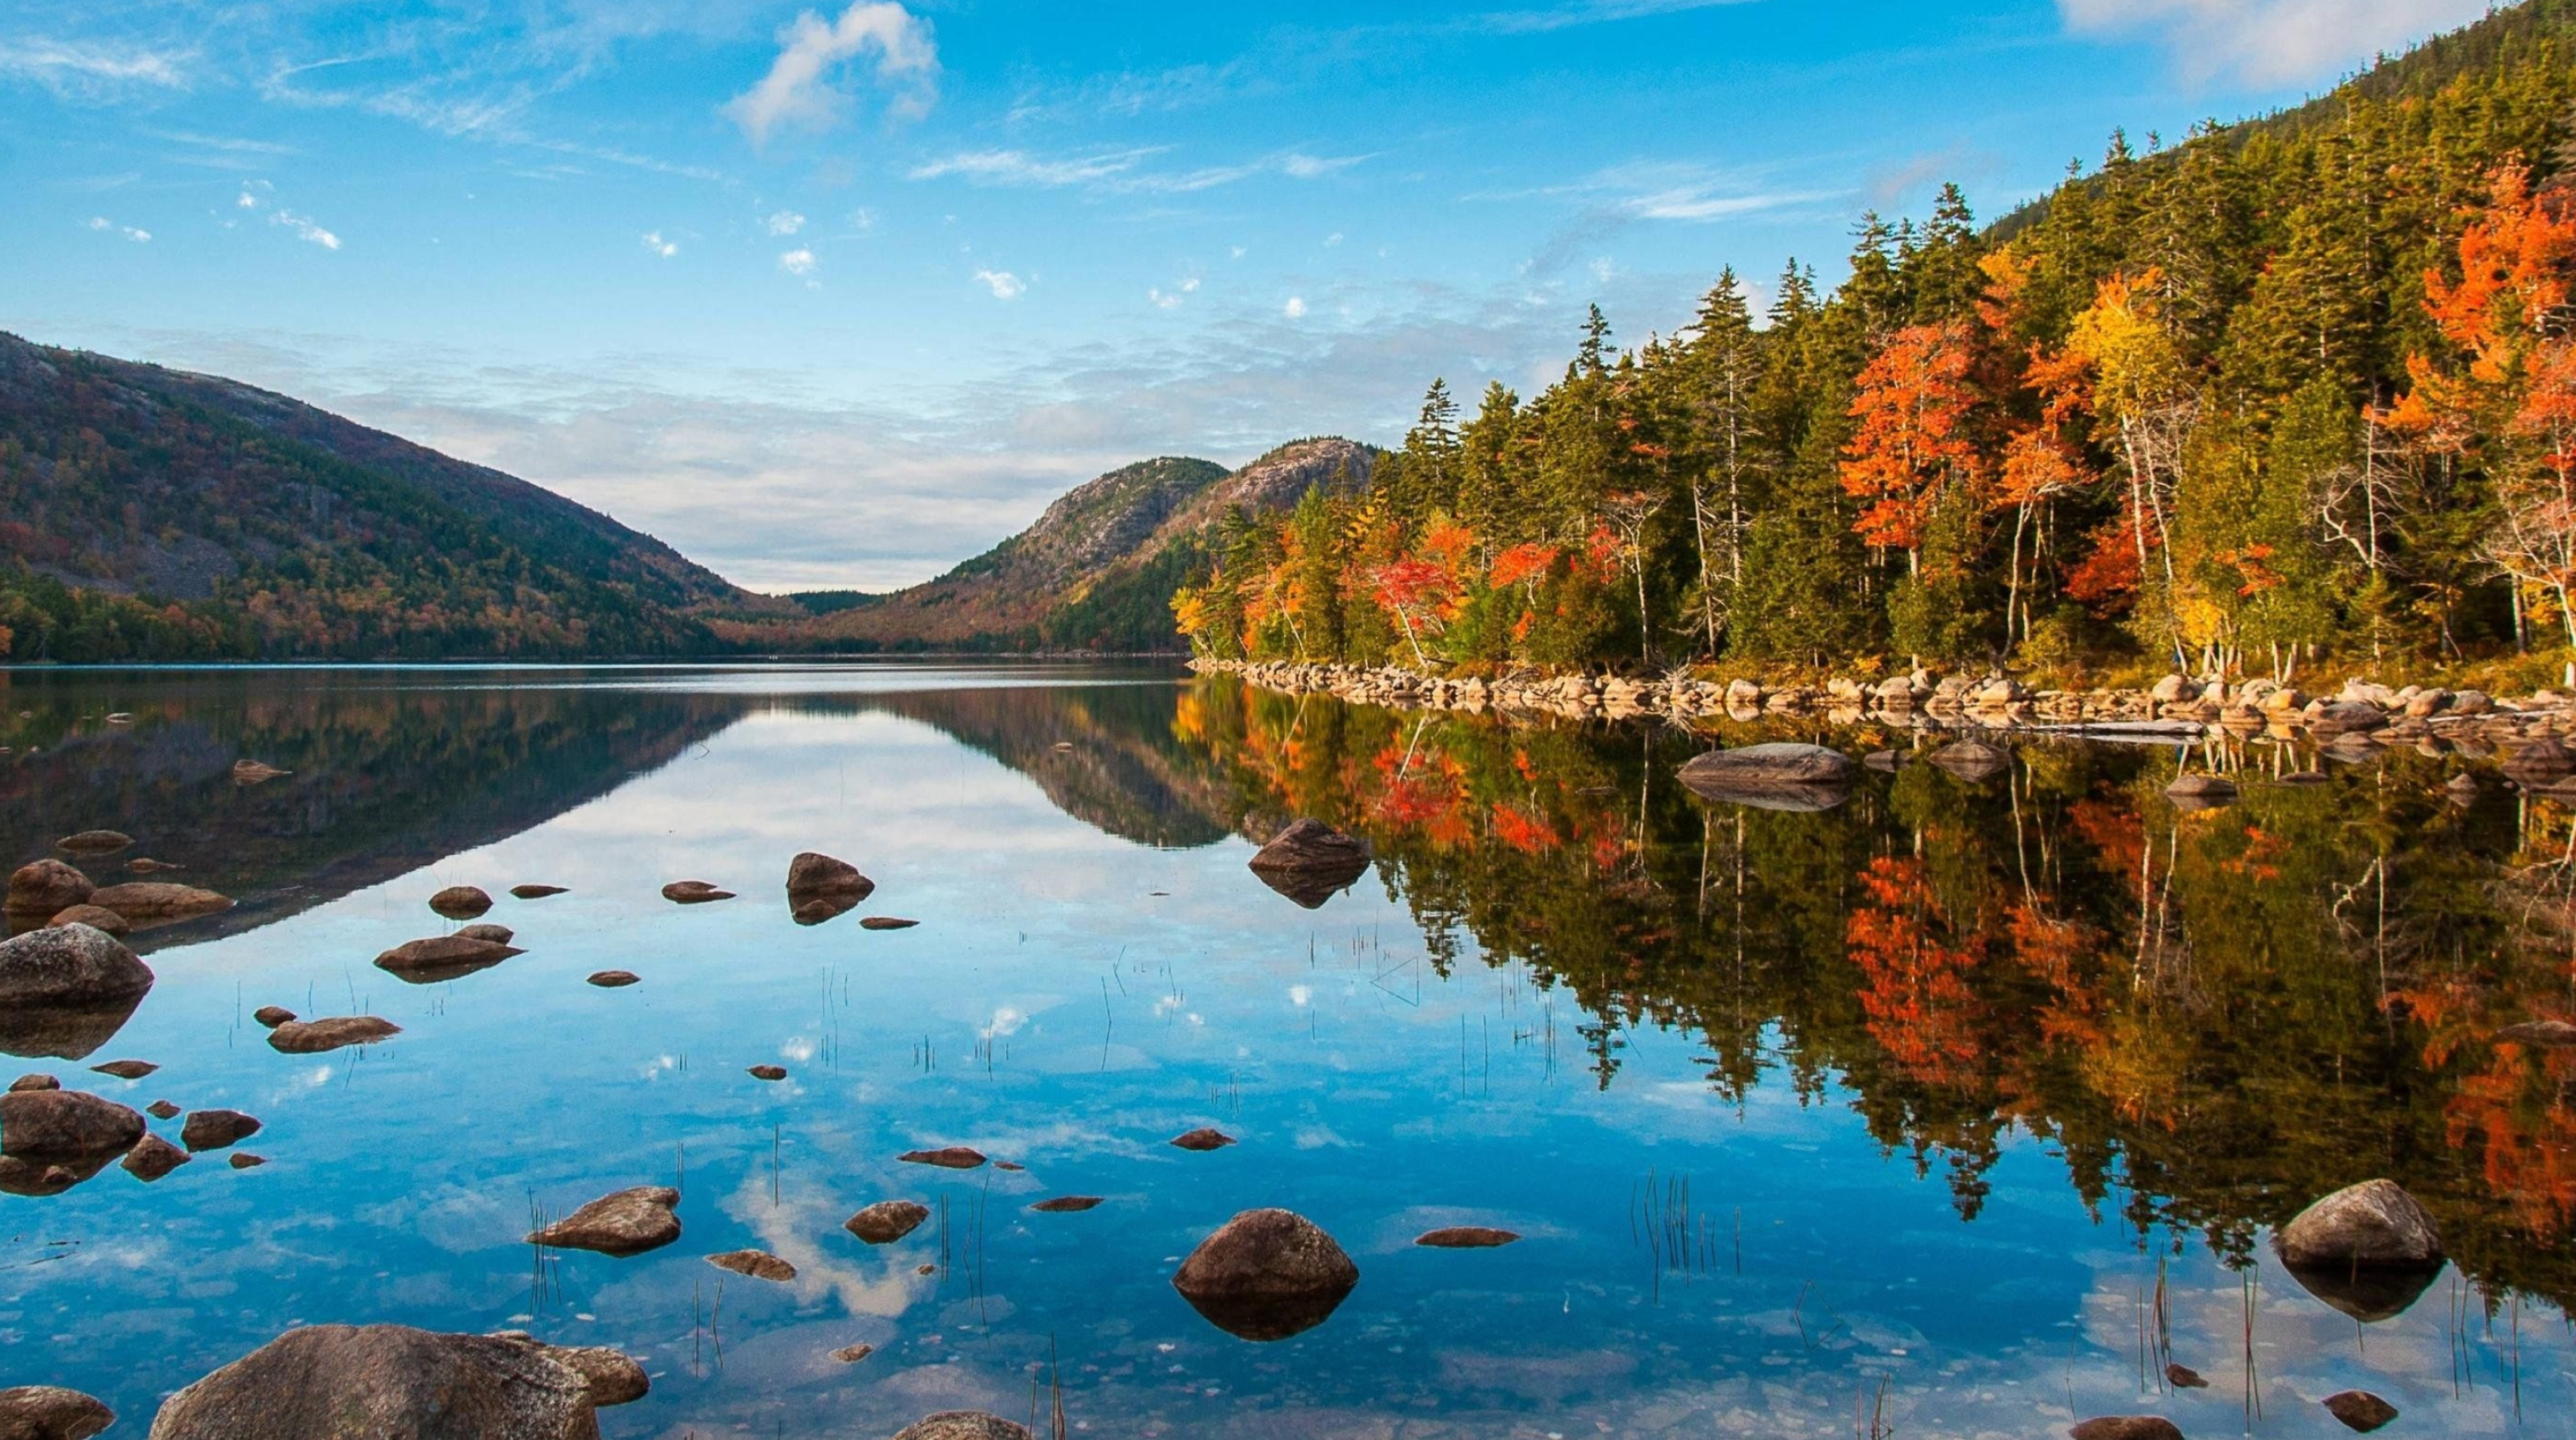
2297, 390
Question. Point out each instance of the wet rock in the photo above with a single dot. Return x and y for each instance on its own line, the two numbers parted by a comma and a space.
1466, 1237
614, 1377
2183, 1377
693, 892
887, 1221
126, 1069
1974, 761
72, 1125
244, 1160
1888, 761
66, 1032
768, 1072
758, 1264
461, 902
629, 1222
38, 1179
47, 887
963, 1425
1310, 862
385, 1382
1774, 776
853, 1354
953, 1157
272, 1016
1068, 1204
26, 1083
1203, 1139
2347, 716
318, 1037
146, 865
1266, 1275
537, 892
814, 876
96, 917
1010, 1166
255, 772
885, 922
156, 902
2541, 762
73, 965
2359, 1410
443, 957
94, 842
162, 1110
819, 909
497, 934
2372, 1225
216, 1130
2127, 1427
2201, 792
151, 1158
49, 1412
615, 979
2547, 1034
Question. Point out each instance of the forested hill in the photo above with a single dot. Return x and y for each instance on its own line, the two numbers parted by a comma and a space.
151, 514
2293, 393
1095, 572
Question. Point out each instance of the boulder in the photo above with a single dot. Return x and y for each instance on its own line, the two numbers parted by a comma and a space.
1266, 1275
758, 1264
1068, 1204
887, 1221
2372, 1225
126, 1069
615, 979
963, 1425
1204, 1138
47, 887
49, 1412
815, 909
2359, 1410
94, 842
26, 1083
1310, 862
953, 1157
536, 892
67, 1032
1974, 761
244, 1160
2541, 762
146, 865
255, 772
162, 1110
272, 1016
693, 892
95, 917
2183, 1377
443, 957
2174, 690
216, 1130
885, 922
385, 1382
157, 902
2127, 1427
485, 930
1776, 776
70, 965
2347, 717
2547, 1034
337, 1032
1465, 1237
461, 902
69, 1125
151, 1158
812, 875
613, 1376
629, 1222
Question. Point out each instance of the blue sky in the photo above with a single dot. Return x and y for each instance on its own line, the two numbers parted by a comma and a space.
840, 295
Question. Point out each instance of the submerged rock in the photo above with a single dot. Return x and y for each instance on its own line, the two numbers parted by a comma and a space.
1974, 761
384, 1382
1266, 1275
94, 842
216, 1130
538, 892
819, 909
47, 887
853, 1354
1777, 762
1466, 1237
444, 957
66, 1032
963, 1425
613, 1376
66, 1125
887, 1221
885, 922
317, 1037
629, 1222
461, 902
2126, 1427
953, 1157
96, 917
272, 1016
767, 1072
1068, 1204
49, 1412
615, 979
1203, 1139
758, 1264
486, 930
2359, 1410
256, 772
693, 892
154, 902
151, 1158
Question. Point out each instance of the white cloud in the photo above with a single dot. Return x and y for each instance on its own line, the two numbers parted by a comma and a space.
1114, 171
73, 69
138, 236
786, 222
1163, 299
1295, 309
1333, 239
656, 245
1003, 284
248, 201
798, 90
1190, 286
1310, 167
304, 228
2271, 42
863, 219
797, 262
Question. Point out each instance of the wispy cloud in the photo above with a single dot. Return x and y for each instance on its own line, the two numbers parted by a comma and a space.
2270, 42
656, 246
799, 262
1586, 12
1003, 284
785, 222
1295, 309
134, 233
798, 89
1117, 171
75, 69
304, 227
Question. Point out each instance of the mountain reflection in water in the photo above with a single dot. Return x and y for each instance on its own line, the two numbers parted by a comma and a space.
1670, 1039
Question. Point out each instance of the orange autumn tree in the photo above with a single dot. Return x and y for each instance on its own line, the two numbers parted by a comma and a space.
2041, 459
1913, 446
2507, 402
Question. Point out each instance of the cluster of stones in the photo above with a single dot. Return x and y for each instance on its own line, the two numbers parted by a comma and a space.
1928, 699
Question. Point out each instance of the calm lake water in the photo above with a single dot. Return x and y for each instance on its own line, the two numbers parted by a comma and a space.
1899, 1113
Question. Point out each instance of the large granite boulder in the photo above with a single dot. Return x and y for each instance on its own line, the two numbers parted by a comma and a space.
629, 1222
49, 1412
46, 887
1310, 862
1779, 775
1266, 1275
384, 1382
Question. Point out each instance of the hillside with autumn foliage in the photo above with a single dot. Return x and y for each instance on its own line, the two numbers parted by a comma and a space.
2295, 392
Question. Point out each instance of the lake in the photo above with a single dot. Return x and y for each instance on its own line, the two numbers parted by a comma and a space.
1960, 1109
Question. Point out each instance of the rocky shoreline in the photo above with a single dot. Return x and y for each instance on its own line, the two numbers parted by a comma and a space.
2359, 714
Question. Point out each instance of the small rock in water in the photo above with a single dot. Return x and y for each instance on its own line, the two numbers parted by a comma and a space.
96, 917
816, 911
810, 875
2374, 1224
537, 892
1310, 862
317, 1037
151, 1158
629, 1222
146, 865
693, 892
487, 931
2127, 1427
1013, 1166
272, 1016
768, 1072
461, 902
2359, 1410
444, 957
2550, 1034
48, 1125
47, 887
887, 1221
2183, 1377
162, 1110
1974, 761
1068, 1204
1204, 1138
49, 1412
255, 772
1466, 1237
1266, 1275
853, 1354
25, 1083
758, 1264
126, 1069
963, 1425
615, 979
148, 902
925, 1268
2200, 792
216, 1129
953, 1157
244, 1160
94, 842
885, 922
